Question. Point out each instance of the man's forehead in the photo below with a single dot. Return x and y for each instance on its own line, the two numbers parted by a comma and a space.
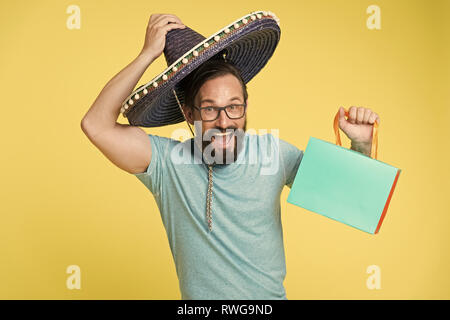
226, 86
212, 100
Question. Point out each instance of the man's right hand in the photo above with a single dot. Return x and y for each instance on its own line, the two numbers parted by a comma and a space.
155, 37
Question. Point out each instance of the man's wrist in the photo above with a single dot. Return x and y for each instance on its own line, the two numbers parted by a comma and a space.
364, 148
147, 57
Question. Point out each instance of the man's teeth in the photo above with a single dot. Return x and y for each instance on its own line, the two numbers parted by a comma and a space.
223, 134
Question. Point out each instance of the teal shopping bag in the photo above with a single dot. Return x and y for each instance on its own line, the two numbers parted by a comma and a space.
343, 184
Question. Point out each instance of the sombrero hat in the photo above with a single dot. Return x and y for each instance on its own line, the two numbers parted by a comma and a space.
248, 43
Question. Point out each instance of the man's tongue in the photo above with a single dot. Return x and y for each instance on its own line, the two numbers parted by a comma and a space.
222, 141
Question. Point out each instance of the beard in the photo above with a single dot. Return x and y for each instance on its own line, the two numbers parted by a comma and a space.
231, 146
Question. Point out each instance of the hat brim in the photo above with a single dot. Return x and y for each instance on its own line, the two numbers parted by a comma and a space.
249, 47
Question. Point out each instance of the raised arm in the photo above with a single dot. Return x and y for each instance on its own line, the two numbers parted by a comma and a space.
128, 147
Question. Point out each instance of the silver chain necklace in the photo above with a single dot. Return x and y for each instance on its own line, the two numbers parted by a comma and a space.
209, 198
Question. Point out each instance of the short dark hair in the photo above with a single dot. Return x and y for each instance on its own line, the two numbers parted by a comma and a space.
210, 69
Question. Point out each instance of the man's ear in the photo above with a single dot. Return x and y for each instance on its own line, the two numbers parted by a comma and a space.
188, 114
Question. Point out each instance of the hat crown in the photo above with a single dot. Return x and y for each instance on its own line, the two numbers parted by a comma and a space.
178, 42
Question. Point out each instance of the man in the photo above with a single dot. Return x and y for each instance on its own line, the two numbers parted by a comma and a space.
238, 253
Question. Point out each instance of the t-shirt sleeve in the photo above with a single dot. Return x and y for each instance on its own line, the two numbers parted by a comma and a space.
152, 177
291, 157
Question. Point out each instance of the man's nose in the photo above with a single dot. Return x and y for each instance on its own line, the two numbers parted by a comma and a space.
223, 120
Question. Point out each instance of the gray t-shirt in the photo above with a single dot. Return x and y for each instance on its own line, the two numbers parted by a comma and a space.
243, 257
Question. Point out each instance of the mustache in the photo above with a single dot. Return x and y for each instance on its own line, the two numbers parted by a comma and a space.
212, 132
223, 130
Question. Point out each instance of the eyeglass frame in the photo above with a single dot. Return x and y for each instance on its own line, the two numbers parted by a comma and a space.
219, 109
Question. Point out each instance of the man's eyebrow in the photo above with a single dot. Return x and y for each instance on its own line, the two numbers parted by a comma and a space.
212, 101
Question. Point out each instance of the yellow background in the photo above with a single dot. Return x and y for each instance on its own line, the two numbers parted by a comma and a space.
63, 203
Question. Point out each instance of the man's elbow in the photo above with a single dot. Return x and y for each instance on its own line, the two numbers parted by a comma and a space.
85, 125
88, 128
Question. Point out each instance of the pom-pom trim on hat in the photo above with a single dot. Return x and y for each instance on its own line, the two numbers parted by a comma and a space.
194, 53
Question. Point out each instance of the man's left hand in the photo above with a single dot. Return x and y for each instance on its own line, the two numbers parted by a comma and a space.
359, 125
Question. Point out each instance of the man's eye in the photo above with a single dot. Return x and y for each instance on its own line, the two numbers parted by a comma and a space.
209, 109
232, 107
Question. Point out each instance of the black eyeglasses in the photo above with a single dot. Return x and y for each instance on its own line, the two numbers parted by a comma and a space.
211, 113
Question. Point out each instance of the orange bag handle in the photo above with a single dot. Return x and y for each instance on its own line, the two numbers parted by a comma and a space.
374, 149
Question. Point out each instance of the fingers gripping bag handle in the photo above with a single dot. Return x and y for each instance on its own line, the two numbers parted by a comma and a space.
373, 152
